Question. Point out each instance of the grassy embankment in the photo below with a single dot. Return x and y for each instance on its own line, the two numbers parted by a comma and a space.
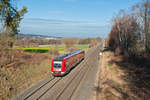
111, 86
122, 80
30, 67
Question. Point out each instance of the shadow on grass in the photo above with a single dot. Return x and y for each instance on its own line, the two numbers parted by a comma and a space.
138, 75
107, 49
113, 91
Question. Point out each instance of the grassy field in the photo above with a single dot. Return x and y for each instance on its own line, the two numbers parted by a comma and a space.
40, 50
51, 46
83, 47
47, 48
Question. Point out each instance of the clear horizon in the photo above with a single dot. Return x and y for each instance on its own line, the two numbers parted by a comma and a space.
71, 18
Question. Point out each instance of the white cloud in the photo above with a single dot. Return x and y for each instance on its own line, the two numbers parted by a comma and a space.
63, 28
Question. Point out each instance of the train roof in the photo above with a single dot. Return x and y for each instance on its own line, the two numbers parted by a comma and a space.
60, 58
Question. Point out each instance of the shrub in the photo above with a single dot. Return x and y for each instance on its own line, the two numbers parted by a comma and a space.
6, 54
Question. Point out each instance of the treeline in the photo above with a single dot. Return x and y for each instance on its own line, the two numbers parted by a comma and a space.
34, 42
130, 33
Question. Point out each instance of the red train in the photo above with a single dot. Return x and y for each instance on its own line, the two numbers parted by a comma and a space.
63, 64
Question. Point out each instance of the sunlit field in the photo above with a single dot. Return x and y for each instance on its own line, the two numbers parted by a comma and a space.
47, 48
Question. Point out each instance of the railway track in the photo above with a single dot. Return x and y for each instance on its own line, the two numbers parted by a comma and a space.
62, 88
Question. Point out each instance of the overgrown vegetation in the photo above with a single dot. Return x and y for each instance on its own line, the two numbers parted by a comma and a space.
26, 70
129, 43
10, 18
131, 31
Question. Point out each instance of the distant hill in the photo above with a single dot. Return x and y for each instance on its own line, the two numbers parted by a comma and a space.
37, 36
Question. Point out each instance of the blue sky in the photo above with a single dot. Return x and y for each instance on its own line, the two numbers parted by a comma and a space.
71, 18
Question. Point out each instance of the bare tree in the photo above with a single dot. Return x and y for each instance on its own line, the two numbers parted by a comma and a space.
124, 32
69, 43
142, 13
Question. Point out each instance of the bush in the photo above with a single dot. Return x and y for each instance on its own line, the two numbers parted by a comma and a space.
6, 54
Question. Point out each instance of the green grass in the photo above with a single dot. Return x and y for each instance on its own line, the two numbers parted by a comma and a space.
62, 46
47, 48
40, 50
83, 47
52, 46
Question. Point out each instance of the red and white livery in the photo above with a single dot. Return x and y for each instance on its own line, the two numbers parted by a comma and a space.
63, 64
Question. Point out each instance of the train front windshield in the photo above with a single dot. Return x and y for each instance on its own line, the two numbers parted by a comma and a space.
57, 64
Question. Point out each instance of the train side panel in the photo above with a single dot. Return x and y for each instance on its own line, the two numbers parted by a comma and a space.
73, 60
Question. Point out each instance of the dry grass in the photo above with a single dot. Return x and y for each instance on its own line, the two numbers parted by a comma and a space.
112, 86
123, 78
22, 73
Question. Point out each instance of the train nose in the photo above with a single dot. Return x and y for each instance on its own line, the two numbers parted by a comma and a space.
57, 69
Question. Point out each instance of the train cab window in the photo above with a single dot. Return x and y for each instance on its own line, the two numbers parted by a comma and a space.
57, 64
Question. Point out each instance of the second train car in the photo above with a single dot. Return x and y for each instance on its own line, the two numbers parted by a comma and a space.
63, 64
